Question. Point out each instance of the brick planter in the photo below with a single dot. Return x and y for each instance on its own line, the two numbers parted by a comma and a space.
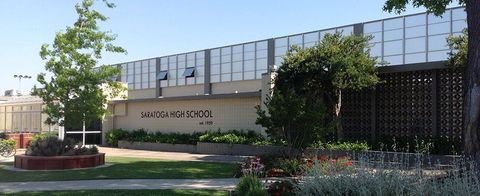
58, 162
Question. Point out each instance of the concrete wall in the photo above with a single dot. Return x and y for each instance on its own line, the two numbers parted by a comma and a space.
226, 114
141, 94
178, 91
239, 86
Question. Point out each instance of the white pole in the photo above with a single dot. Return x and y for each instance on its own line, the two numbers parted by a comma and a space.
83, 133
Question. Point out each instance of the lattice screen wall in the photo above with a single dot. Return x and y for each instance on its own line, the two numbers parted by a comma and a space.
423, 103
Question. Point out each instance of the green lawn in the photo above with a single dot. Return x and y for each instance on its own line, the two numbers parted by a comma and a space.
123, 192
128, 168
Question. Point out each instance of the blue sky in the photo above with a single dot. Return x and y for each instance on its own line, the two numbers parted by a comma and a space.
151, 28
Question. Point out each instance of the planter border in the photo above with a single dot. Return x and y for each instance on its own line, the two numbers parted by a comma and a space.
58, 162
167, 147
252, 150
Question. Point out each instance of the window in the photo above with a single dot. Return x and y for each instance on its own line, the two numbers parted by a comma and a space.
396, 23
372, 27
345, 31
393, 35
438, 19
440, 28
415, 20
189, 72
162, 75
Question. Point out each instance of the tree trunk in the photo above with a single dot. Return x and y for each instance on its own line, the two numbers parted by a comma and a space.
338, 120
472, 83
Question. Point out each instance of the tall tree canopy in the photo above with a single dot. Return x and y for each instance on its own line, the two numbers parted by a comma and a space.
307, 92
471, 113
76, 90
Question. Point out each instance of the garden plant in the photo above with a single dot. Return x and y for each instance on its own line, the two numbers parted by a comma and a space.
250, 183
50, 145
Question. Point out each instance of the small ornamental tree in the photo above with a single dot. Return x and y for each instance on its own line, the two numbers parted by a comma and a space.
347, 65
307, 92
75, 91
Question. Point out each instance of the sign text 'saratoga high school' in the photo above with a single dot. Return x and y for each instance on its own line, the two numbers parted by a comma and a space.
178, 114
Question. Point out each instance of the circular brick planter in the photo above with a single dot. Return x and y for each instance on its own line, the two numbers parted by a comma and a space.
58, 162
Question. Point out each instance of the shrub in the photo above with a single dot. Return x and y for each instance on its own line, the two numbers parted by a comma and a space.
250, 186
10, 143
417, 144
113, 136
253, 167
3, 135
291, 167
371, 177
50, 145
138, 135
347, 146
282, 188
232, 137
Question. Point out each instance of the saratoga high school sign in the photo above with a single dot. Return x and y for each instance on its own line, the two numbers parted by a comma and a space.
177, 114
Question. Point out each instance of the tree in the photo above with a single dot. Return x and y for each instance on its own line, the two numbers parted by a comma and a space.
307, 92
471, 105
459, 47
74, 94
296, 113
347, 65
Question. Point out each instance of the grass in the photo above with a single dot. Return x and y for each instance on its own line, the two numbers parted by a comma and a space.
123, 192
127, 168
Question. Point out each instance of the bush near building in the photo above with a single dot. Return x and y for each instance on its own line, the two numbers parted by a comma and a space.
443, 146
141, 135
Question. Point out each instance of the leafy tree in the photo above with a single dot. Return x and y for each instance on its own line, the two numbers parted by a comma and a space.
471, 105
75, 93
459, 46
307, 92
347, 65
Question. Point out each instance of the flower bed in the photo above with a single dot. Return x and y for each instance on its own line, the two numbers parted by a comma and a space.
58, 162
47, 152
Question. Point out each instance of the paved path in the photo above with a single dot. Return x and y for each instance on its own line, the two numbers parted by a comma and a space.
3, 159
217, 184
178, 156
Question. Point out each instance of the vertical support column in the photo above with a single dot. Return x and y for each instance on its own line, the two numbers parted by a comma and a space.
270, 55
158, 88
358, 29
434, 103
207, 86
373, 115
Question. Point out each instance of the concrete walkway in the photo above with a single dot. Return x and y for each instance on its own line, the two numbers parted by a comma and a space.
217, 184
177, 156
